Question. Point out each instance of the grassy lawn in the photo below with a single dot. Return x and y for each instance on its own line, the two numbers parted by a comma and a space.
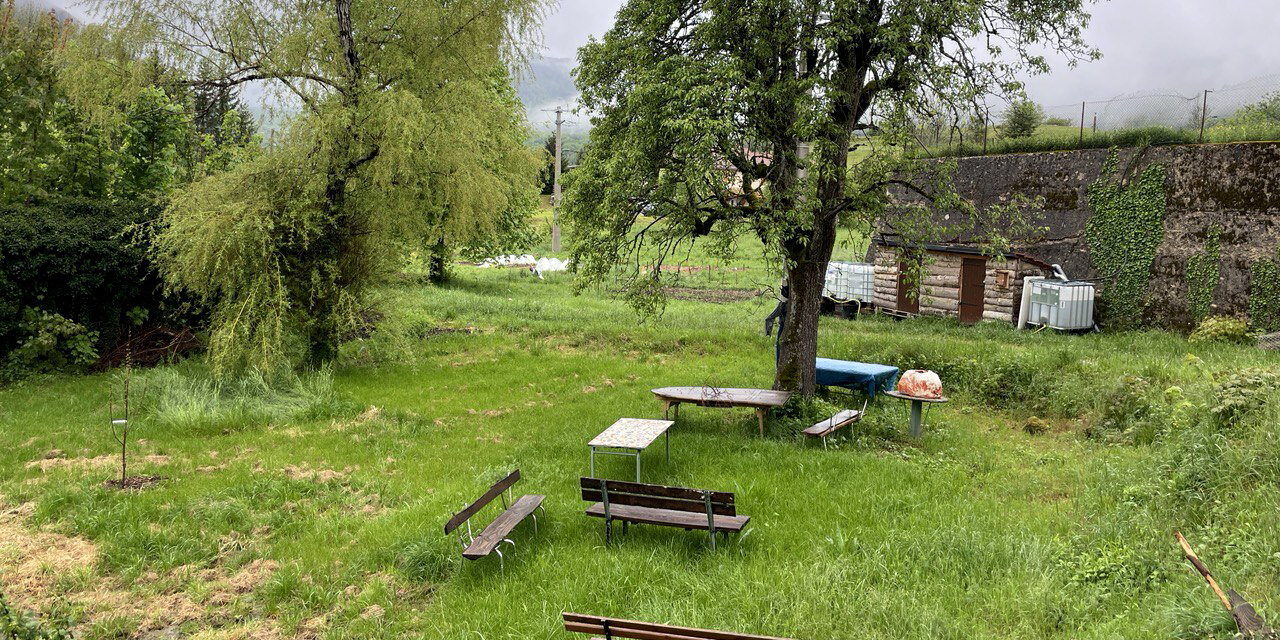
316, 510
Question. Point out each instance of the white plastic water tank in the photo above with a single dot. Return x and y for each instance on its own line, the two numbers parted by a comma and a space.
849, 281
1061, 305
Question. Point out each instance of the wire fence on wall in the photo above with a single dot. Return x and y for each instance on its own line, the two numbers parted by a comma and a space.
1207, 107
1245, 111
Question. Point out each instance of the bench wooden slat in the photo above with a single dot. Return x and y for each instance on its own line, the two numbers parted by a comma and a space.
830, 425
657, 502
502, 525
682, 519
650, 631
475, 507
682, 493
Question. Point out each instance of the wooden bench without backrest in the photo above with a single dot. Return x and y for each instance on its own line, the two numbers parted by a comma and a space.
836, 422
634, 502
610, 628
513, 513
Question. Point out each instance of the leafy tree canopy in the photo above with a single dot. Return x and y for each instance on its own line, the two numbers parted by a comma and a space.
1022, 118
409, 133
702, 105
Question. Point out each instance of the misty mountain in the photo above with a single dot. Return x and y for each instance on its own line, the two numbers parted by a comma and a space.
45, 6
548, 83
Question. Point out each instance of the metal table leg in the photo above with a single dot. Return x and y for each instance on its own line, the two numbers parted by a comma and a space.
916, 410
637, 465
593, 462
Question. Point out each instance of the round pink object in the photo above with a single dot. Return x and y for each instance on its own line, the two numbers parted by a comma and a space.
921, 384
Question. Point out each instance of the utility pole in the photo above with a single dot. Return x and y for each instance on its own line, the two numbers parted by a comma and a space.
555, 198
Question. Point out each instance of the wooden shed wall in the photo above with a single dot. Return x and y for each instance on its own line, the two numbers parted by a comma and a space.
940, 289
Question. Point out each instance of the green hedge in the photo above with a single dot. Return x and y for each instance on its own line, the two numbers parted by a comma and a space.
70, 257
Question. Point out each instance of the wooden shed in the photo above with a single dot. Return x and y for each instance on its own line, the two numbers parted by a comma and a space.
958, 280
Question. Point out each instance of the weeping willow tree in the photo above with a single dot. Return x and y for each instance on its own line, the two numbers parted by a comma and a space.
407, 134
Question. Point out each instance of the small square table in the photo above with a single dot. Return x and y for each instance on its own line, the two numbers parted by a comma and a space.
628, 437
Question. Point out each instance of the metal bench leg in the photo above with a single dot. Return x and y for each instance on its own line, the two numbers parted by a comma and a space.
534, 515
608, 530
502, 564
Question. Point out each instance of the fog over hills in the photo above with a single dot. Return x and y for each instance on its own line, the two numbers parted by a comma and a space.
548, 83
43, 6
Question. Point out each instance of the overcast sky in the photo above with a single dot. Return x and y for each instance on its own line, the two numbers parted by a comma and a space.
1147, 45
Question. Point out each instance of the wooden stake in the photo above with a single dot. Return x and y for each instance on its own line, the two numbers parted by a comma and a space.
1204, 571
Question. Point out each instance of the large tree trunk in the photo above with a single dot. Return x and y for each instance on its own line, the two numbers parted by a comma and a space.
798, 340
809, 254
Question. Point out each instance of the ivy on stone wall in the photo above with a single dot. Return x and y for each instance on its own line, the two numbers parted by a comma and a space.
1202, 276
1126, 228
1264, 295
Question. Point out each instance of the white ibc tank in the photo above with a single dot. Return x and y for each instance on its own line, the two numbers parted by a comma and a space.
1061, 305
849, 281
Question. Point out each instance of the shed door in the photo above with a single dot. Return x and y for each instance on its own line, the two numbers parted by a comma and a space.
973, 276
906, 302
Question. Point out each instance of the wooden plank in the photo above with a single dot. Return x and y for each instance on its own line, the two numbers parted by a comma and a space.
656, 502
501, 526
475, 507
618, 627
830, 425
683, 493
664, 517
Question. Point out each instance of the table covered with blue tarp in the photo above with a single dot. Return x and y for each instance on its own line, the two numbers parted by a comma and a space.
866, 377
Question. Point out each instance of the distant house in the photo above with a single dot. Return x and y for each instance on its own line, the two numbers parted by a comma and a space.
957, 280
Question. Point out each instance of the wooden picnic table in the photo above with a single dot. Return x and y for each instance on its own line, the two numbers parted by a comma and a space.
759, 399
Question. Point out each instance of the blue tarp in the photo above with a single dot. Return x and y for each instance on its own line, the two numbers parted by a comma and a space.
859, 376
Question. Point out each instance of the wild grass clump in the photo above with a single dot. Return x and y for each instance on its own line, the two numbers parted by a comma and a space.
1130, 412
187, 400
430, 560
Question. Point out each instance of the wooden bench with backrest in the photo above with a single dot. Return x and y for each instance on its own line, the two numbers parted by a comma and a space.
609, 628
493, 535
634, 502
842, 419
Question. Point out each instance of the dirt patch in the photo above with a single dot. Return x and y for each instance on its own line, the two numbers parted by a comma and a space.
33, 561
430, 332
305, 472
36, 564
99, 462
718, 296
134, 483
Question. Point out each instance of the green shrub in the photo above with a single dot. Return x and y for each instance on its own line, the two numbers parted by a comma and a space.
1221, 329
1243, 394
71, 257
18, 625
49, 342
